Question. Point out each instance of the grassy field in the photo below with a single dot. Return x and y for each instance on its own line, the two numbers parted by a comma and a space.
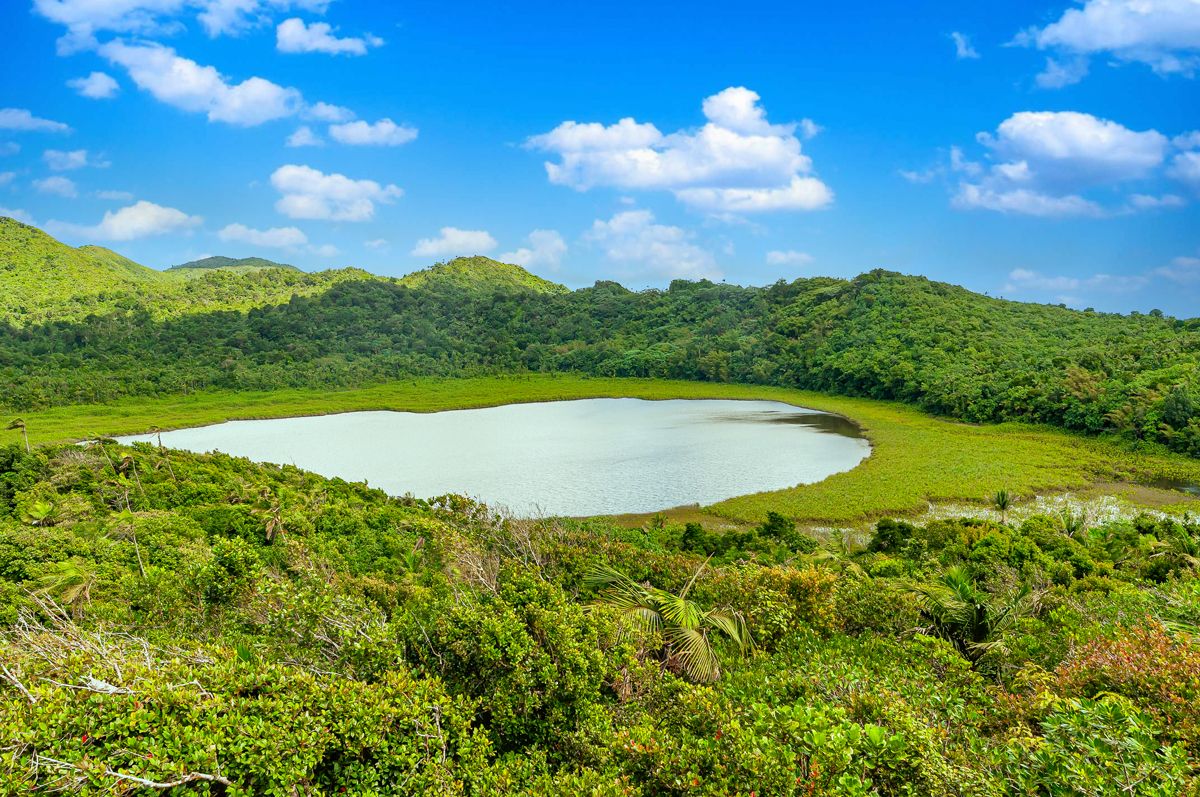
916, 459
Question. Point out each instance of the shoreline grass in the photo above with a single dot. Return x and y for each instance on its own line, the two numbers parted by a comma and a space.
916, 459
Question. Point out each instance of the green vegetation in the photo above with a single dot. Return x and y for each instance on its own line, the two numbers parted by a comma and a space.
881, 335
475, 276
219, 261
45, 281
202, 622
915, 458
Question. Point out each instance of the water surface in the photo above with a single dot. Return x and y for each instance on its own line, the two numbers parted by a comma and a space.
587, 457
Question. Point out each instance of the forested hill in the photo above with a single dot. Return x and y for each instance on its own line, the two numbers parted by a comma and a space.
43, 279
882, 334
220, 261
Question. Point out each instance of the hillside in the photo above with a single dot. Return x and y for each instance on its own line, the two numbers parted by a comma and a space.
219, 261
881, 335
44, 280
480, 274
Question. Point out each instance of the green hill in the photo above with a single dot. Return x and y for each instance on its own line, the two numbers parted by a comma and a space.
480, 274
219, 261
42, 278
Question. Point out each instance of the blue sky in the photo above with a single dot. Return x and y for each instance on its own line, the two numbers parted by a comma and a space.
1043, 151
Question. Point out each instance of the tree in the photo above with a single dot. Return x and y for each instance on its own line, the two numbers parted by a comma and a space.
70, 582
1001, 501
972, 619
684, 624
19, 423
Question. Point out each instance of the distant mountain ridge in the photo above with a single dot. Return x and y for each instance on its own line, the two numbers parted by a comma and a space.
220, 261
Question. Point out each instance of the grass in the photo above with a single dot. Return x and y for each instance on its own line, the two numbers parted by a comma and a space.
916, 459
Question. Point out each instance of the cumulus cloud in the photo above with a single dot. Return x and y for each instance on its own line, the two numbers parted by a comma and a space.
325, 112
737, 162
1045, 162
114, 196
22, 119
96, 86
1162, 34
294, 36
545, 250
452, 242
1059, 73
62, 161
1185, 167
376, 243
788, 257
275, 237
83, 19
311, 194
9, 148
303, 136
384, 133
633, 240
140, 220
58, 186
962, 46
185, 84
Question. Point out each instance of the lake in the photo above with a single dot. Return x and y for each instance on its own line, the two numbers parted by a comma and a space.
587, 457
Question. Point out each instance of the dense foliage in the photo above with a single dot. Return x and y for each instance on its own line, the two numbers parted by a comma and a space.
251, 629
881, 335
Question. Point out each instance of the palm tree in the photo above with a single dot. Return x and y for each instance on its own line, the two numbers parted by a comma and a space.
972, 619
684, 624
40, 513
72, 581
19, 423
1001, 502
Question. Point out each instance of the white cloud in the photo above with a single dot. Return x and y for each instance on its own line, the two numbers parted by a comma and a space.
83, 19
452, 242
788, 257
324, 250
325, 112
809, 128
1182, 271
96, 86
185, 84
1059, 73
962, 46
276, 237
632, 239
18, 214
58, 186
545, 250
1163, 34
384, 133
311, 194
7, 177
737, 162
140, 220
1151, 202
115, 196
1023, 201
304, 137
21, 119
1189, 140
1185, 167
9, 148
376, 243
62, 161
1044, 162
294, 36
1026, 281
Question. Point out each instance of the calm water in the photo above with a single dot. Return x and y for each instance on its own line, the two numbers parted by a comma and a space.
590, 457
